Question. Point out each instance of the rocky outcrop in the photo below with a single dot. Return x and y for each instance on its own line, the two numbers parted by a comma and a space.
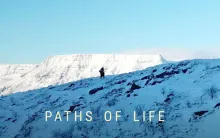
200, 113
93, 91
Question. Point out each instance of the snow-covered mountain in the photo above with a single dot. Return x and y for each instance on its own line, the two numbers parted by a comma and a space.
11, 73
15, 69
66, 68
187, 91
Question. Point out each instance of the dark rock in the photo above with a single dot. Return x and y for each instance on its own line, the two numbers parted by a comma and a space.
200, 113
40, 102
114, 90
147, 82
120, 82
181, 64
171, 94
154, 70
71, 85
129, 91
8, 119
184, 70
162, 75
47, 98
128, 95
72, 108
93, 91
81, 97
217, 105
134, 87
135, 95
168, 74
83, 107
52, 87
14, 120
216, 67
175, 72
55, 101
167, 100
167, 68
159, 104
65, 89
146, 77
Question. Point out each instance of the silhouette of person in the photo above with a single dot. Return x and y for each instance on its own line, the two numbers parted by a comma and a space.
102, 73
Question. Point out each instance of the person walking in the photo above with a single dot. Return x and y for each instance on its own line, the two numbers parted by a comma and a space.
102, 73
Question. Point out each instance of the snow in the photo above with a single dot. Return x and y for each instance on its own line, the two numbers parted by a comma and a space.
7, 69
12, 73
185, 83
66, 68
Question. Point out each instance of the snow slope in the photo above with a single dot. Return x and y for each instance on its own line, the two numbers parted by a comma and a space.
66, 68
15, 69
187, 91
12, 73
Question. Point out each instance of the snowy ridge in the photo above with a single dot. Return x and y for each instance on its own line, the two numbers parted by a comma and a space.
66, 68
10, 74
188, 92
15, 69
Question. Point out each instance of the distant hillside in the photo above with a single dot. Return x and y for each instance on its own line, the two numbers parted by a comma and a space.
188, 92
66, 68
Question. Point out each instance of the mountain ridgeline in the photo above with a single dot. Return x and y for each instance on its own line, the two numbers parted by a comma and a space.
67, 68
187, 92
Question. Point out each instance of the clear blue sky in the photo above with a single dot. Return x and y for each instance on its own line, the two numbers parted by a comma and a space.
31, 30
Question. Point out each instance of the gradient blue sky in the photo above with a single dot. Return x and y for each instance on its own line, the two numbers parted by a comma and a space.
31, 30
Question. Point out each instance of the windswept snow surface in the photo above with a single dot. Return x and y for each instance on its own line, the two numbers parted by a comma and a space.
66, 68
187, 91
18, 69
12, 73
